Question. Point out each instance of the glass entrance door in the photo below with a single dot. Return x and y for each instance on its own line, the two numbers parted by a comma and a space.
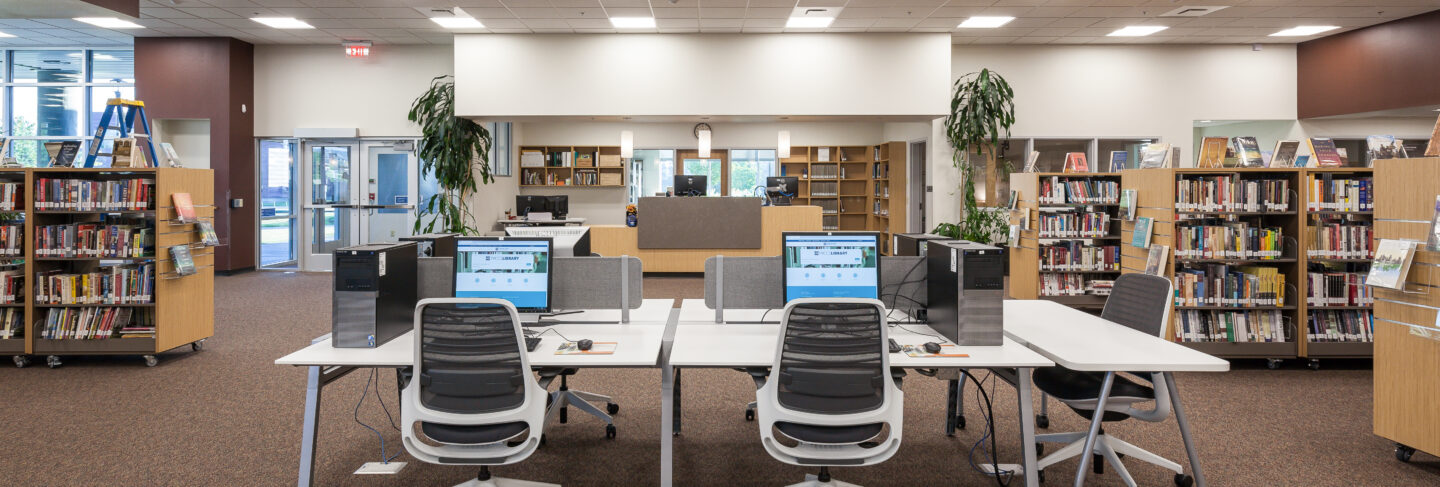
279, 198
388, 206
331, 201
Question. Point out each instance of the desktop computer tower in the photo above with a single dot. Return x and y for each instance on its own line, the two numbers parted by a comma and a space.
434, 244
375, 294
966, 291
913, 243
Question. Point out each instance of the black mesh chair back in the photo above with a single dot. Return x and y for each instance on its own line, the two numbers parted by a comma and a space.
833, 359
470, 359
1139, 301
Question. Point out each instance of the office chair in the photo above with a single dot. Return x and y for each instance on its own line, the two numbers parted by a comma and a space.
831, 392
1141, 302
473, 400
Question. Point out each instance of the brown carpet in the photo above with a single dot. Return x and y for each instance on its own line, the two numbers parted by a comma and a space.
228, 416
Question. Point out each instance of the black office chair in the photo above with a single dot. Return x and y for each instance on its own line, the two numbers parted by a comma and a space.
1141, 302
831, 392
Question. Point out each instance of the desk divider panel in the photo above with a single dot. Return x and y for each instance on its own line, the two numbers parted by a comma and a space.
437, 277
596, 283
754, 282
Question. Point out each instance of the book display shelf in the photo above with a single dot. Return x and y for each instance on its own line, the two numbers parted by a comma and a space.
1339, 245
91, 271
1071, 246
858, 188
567, 166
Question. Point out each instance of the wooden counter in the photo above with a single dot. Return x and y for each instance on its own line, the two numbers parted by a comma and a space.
615, 240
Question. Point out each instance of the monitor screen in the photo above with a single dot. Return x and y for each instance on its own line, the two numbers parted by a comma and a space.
524, 204
558, 205
516, 269
691, 185
831, 265
785, 185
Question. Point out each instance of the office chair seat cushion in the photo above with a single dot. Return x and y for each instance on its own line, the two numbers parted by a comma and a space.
1070, 385
477, 434
811, 433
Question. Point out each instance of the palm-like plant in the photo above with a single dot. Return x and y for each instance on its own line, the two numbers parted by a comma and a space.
982, 109
451, 149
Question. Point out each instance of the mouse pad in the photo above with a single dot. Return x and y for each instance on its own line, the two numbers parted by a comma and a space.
596, 348
946, 350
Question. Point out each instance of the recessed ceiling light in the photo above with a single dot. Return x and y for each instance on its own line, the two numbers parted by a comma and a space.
985, 22
283, 22
1304, 30
1137, 30
2, 34
1206, 121
458, 22
110, 23
808, 22
633, 22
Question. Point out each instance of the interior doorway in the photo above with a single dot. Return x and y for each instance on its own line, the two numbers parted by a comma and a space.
917, 189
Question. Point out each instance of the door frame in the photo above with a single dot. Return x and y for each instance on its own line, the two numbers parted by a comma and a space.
722, 154
309, 260
367, 207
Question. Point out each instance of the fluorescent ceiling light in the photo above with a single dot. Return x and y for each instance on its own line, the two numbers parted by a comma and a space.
808, 22
283, 22
110, 23
633, 22
458, 22
985, 22
1137, 30
2, 34
1304, 30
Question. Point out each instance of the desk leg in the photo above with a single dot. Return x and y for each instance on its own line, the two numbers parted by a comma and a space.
1184, 429
1027, 427
1089, 450
668, 418
678, 385
311, 426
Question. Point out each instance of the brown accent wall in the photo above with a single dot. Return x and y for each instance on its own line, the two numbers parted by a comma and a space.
127, 7
210, 78
1381, 67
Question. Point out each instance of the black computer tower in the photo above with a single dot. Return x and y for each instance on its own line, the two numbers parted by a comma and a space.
965, 291
434, 244
913, 243
375, 294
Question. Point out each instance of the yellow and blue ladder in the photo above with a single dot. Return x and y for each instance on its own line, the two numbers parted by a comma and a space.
125, 112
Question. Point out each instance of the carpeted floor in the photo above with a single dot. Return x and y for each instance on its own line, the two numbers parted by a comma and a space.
228, 416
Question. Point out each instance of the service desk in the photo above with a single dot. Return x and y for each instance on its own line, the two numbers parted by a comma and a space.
614, 240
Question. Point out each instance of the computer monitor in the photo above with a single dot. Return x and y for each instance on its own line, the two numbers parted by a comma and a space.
558, 205
691, 185
830, 265
516, 269
779, 189
524, 204
569, 241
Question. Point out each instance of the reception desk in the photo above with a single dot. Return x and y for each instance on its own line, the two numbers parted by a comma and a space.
614, 240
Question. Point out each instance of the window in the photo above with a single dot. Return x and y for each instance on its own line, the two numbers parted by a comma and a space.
748, 170
713, 168
652, 173
500, 163
54, 95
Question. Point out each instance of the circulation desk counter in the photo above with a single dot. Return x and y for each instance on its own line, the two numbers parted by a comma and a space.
678, 234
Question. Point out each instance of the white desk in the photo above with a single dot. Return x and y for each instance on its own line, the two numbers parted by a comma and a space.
694, 311
650, 311
1089, 343
539, 223
701, 343
639, 344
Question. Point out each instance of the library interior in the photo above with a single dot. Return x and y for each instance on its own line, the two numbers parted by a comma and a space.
606, 242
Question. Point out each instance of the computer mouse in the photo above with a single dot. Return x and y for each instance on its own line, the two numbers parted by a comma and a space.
585, 344
932, 347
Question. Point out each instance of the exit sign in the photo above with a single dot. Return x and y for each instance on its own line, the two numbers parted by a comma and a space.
357, 49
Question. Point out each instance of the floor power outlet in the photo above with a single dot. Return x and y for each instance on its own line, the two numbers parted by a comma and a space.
380, 468
1011, 467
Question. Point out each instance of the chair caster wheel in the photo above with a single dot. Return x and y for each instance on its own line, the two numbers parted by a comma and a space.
1314, 364
749, 414
1183, 480
21, 361
960, 422
609, 431
612, 408
1042, 421
1403, 453
1272, 364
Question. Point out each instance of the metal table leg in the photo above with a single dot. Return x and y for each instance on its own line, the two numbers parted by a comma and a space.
1184, 429
316, 377
668, 420
1027, 427
676, 398
1089, 449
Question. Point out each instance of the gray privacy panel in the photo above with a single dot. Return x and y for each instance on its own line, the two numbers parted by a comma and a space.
754, 282
437, 277
699, 223
594, 283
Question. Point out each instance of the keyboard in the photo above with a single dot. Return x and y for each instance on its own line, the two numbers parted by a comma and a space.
531, 343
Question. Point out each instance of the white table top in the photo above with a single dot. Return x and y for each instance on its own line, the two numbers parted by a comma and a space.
694, 311
650, 311
638, 346
1080, 341
753, 345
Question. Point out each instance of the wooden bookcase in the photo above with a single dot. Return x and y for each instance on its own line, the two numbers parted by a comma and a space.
1312, 349
858, 188
183, 306
1026, 276
579, 172
890, 183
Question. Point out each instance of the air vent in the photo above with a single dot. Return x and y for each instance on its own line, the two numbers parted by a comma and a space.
1188, 11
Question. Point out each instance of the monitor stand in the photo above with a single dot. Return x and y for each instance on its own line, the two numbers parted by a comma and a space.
530, 318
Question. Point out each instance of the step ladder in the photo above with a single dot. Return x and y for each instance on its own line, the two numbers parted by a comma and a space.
124, 112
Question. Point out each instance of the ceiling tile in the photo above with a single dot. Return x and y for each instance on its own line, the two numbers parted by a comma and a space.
538, 24
164, 13
726, 3
503, 23
1074, 22
773, 13
209, 12
788, 4
679, 31
526, 3
759, 23
402, 13
576, 3
536, 13
590, 23
956, 12
853, 23
580, 13
1035, 40
721, 23
892, 23
510, 31
677, 13
628, 12
626, 3
720, 30
679, 23
349, 13
722, 13
762, 30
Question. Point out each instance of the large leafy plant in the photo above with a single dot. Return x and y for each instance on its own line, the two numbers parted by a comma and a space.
982, 109
451, 148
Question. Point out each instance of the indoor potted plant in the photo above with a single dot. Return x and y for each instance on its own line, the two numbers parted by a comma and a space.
452, 149
982, 109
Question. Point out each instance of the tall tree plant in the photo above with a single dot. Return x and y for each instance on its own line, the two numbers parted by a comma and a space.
452, 149
982, 109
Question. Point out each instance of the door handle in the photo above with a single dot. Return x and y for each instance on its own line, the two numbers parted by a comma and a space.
403, 207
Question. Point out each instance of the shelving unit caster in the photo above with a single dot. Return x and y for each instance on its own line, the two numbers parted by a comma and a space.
151, 361
1272, 363
1314, 364
609, 431
1042, 421
52, 361
1403, 453
1183, 480
21, 361
197, 345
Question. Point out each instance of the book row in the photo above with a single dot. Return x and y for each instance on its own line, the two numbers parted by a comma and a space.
1230, 326
1071, 225
1074, 285
91, 195
1329, 194
93, 240
1056, 190
10, 196
824, 171
10, 236
1342, 241
1075, 256
129, 284
12, 286
1228, 193
12, 323
1234, 240
1341, 326
1338, 289
93, 323
1224, 285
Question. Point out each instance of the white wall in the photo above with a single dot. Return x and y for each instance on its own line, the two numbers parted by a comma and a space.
317, 86
723, 135
510, 76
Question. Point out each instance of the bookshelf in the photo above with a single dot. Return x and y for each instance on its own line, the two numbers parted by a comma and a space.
1338, 243
180, 309
858, 188
1072, 244
572, 166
